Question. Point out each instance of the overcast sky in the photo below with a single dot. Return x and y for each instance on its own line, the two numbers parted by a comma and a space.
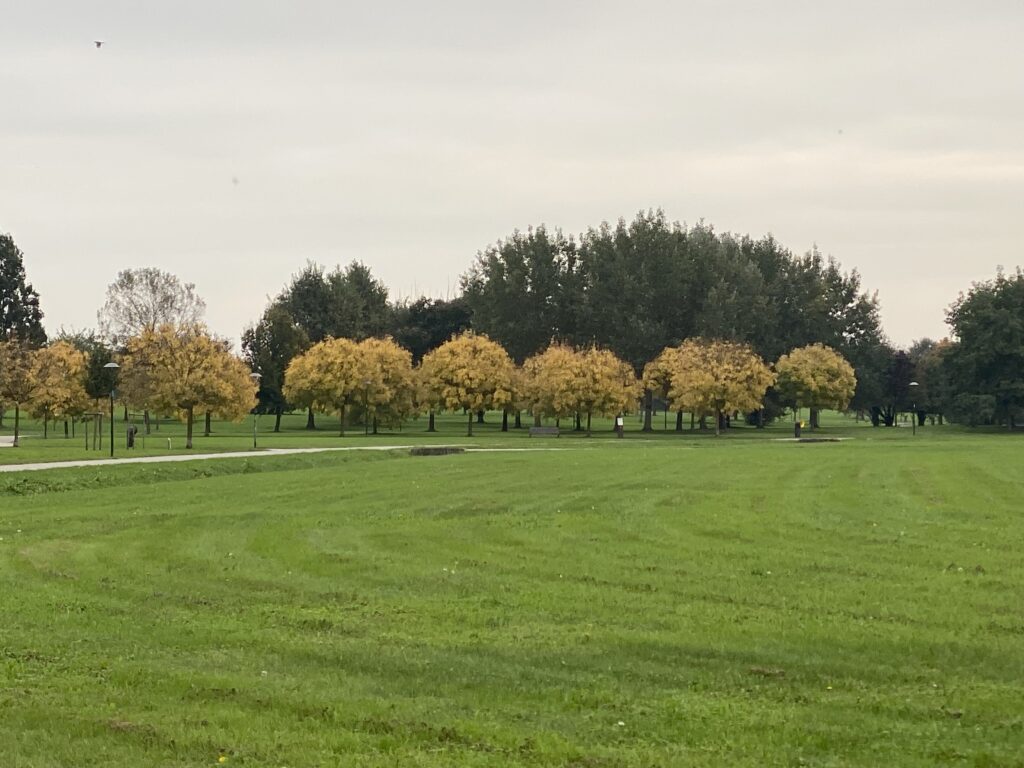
230, 142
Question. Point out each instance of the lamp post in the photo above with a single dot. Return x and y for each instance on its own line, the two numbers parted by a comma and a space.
255, 414
913, 411
366, 406
112, 367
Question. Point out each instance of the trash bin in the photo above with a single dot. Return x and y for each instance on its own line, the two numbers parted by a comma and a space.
796, 428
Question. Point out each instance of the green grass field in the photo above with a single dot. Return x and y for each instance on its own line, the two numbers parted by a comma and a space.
168, 435
672, 601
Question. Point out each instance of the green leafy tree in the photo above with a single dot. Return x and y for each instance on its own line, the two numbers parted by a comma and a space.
344, 303
988, 360
20, 314
268, 347
935, 392
514, 290
426, 324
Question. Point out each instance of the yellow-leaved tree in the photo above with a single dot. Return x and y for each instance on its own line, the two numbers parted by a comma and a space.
182, 369
389, 384
657, 377
471, 372
815, 377
658, 373
328, 377
551, 382
562, 382
607, 385
17, 383
59, 391
714, 377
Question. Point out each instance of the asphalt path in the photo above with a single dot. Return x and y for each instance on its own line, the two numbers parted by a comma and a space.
35, 467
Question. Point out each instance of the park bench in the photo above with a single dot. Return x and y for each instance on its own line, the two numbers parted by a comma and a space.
544, 431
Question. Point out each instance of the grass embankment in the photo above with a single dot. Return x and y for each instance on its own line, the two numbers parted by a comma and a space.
621, 603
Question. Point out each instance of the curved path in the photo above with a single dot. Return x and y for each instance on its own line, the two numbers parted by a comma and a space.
239, 455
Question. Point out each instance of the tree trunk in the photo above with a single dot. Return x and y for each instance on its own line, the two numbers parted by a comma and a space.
536, 418
504, 421
46, 426
66, 431
679, 421
309, 420
813, 418
718, 423
480, 417
206, 425
648, 406
125, 414
375, 425
145, 419
470, 422
940, 419
579, 424
277, 420
188, 427
17, 424
588, 423
519, 420
341, 421
430, 421
702, 425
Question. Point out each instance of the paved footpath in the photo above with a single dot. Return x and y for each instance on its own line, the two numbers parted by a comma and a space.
239, 455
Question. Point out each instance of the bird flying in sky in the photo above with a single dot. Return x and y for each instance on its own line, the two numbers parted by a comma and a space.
98, 43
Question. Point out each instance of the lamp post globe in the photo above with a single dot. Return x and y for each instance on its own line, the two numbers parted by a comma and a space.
112, 367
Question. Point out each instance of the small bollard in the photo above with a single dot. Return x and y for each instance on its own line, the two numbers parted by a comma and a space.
796, 428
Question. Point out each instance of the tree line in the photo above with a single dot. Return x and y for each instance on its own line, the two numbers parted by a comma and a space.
632, 289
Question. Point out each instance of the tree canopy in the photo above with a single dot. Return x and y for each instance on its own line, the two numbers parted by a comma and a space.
988, 359
717, 377
328, 377
470, 372
268, 347
178, 369
815, 377
141, 300
20, 314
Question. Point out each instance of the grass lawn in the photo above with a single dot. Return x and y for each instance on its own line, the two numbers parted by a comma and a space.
168, 435
665, 602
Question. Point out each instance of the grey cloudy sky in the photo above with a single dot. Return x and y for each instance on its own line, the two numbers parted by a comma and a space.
411, 135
